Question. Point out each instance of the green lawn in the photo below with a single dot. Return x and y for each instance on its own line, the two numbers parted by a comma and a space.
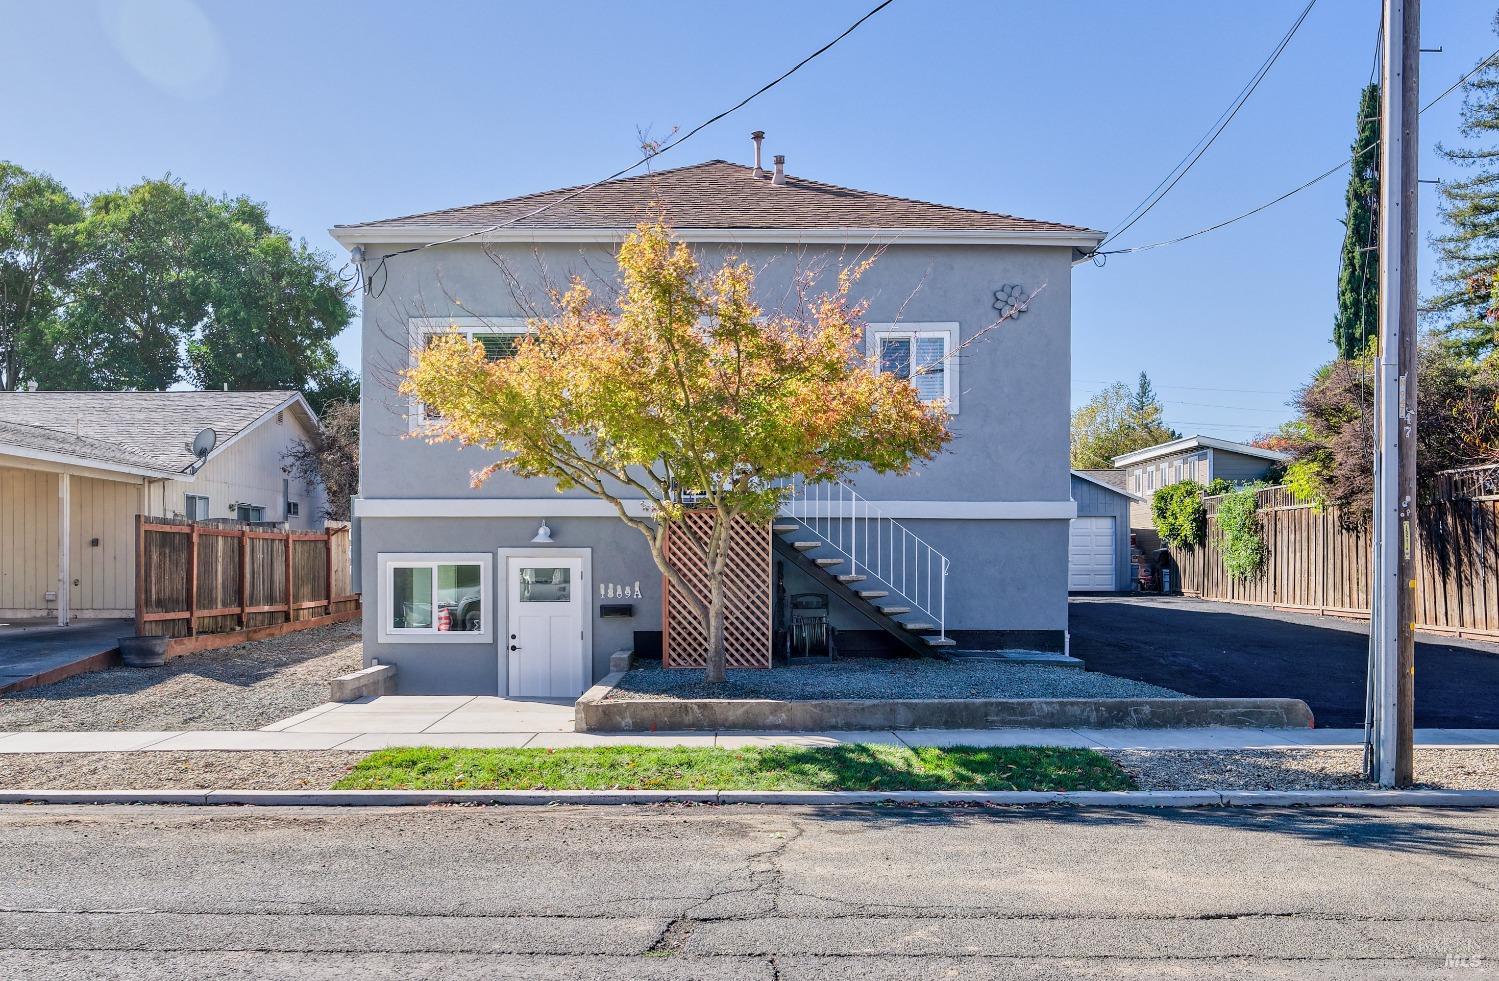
844, 767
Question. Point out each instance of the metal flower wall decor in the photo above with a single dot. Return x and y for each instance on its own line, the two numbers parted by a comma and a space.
1011, 300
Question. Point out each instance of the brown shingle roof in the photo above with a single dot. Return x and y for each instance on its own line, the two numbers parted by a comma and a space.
718, 194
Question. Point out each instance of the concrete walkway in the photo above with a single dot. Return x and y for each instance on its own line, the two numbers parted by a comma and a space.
36, 652
482, 722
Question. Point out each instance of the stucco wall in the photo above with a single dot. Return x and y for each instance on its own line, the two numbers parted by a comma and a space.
1011, 431
1011, 435
619, 555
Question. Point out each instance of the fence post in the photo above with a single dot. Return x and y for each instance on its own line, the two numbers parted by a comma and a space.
244, 578
328, 555
290, 592
192, 582
140, 574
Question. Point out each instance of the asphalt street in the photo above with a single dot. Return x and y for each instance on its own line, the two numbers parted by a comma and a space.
744, 892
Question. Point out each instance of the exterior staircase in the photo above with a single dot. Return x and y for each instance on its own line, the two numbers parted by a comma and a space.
872, 562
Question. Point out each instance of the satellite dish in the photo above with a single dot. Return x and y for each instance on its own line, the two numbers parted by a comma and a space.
204, 442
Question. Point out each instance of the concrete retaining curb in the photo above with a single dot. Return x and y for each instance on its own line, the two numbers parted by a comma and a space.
420, 798
596, 712
373, 681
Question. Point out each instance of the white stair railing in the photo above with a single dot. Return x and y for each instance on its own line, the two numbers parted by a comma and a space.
877, 547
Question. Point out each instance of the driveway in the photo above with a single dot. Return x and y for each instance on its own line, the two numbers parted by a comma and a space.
1230, 650
32, 648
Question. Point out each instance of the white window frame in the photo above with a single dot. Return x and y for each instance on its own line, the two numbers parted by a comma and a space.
947, 330
421, 328
196, 514
241, 506
388, 562
293, 509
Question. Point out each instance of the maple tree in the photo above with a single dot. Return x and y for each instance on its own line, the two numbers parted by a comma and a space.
684, 393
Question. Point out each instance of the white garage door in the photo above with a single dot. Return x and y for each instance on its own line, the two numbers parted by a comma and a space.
1090, 554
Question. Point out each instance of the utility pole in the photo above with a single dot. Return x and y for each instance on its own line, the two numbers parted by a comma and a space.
1392, 619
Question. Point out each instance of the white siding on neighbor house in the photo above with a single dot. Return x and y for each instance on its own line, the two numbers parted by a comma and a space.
248, 472
98, 509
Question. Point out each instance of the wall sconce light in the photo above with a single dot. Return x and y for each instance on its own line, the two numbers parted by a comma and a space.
543, 534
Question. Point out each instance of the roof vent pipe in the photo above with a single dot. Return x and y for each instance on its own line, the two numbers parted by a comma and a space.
779, 177
759, 137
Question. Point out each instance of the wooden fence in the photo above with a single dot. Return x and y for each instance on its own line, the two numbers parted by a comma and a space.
747, 599
214, 583
1315, 565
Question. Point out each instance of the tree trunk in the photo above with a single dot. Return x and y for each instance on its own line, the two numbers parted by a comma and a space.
717, 653
718, 554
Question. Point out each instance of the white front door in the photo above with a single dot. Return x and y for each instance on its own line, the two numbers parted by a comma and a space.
544, 629
1090, 554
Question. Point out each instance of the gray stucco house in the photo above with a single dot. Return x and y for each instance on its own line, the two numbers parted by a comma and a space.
513, 588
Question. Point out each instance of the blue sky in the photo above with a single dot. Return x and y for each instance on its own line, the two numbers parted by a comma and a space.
1071, 111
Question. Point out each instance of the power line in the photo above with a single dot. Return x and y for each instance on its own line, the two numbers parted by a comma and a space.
646, 157
1296, 190
1214, 131
1191, 388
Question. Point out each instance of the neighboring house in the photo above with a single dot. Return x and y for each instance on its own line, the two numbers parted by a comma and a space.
1200, 458
76, 467
1098, 558
465, 592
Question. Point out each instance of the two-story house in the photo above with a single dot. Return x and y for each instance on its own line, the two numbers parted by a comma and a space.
1200, 458
513, 588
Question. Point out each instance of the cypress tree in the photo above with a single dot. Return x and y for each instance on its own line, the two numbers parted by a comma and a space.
1357, 321
1466, 306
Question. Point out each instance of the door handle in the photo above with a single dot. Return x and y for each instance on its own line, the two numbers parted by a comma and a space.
514, 647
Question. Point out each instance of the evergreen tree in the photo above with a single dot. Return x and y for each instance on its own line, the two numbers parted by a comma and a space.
1357, 322
1465, 307
1117, 421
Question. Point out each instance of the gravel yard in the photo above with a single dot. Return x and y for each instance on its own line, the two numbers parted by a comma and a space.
874, 678
1299, 769
242, 687
279, 770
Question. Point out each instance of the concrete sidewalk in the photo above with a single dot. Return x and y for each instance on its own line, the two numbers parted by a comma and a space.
377, 738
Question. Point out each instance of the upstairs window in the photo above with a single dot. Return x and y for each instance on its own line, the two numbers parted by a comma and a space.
497, 335
921, 354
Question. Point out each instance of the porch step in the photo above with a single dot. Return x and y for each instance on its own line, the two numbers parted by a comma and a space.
939, 641
871, 594
806, 546
916, 626
783, 529
893, 611
846, 580
828, 563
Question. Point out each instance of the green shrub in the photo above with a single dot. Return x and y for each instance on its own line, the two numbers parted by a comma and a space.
1218, 486
1244, 550
1179, 514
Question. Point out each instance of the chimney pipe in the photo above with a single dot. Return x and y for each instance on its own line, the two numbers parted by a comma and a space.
779, 177
759, 137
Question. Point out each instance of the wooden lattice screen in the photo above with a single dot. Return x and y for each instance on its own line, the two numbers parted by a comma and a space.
747, 599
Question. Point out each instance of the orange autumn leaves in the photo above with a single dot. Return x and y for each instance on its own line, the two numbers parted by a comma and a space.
683, 386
